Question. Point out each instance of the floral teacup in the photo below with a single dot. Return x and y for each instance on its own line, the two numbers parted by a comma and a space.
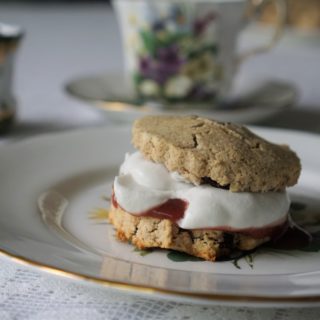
183, 50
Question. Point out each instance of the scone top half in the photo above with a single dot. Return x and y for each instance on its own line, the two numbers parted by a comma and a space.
222, 154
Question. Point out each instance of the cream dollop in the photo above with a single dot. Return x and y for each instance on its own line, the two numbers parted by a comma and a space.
143, 185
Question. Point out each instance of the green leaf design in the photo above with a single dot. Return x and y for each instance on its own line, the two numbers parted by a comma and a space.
249, 259
178, 256
235, 262
149, 41
246, 256
143, 252
137, 78
171, 38
106, 198
212, 48
198, 52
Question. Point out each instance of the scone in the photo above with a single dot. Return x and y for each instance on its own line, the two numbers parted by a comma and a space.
202, 187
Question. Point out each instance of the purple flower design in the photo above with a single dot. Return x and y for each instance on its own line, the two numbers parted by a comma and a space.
165, 64
200, 24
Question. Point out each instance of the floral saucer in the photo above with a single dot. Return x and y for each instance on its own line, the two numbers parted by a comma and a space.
110, 94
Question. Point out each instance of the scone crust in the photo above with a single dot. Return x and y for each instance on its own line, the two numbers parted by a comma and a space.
228, 154
147, 232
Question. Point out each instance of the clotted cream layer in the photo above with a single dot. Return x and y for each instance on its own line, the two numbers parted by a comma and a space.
143, 185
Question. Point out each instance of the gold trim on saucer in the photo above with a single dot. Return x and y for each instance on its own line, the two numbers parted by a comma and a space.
108, 93
120, 106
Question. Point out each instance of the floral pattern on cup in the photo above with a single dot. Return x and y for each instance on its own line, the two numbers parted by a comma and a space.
175, 58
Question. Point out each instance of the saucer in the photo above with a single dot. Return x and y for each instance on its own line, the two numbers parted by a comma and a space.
110, 94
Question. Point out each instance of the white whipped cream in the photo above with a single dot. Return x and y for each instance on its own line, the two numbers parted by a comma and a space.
143, 185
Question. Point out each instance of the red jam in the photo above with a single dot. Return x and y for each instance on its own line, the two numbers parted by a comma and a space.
114, 201
173, 209
271, 231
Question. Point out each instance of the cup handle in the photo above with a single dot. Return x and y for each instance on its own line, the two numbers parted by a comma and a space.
255, 10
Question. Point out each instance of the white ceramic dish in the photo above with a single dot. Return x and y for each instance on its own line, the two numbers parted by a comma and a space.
80, 166
251, 100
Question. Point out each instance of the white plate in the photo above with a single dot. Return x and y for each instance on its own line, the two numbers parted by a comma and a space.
252, 100
80, 165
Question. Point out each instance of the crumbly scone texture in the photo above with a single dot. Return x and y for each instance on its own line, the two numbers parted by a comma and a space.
147, 232
228, 154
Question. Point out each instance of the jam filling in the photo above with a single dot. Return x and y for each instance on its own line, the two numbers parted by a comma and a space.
284, 235
173, 209
272, 231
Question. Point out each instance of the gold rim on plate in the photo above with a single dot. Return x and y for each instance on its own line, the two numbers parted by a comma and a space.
152, 290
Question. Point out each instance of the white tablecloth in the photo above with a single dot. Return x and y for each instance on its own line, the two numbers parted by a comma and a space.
63, 42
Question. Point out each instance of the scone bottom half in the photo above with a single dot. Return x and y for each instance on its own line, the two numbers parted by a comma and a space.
203, 151
148, 232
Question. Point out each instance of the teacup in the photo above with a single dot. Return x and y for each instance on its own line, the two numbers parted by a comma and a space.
184, 50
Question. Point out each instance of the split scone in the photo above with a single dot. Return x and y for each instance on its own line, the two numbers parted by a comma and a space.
202, 187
